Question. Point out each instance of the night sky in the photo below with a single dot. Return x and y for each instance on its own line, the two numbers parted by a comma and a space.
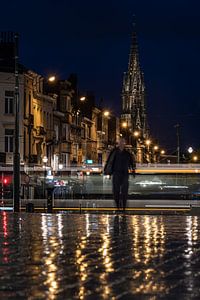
92, 39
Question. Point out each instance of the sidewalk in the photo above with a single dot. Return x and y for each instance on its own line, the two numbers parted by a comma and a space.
136, 206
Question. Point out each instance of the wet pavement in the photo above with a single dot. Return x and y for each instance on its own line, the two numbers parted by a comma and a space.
90, 256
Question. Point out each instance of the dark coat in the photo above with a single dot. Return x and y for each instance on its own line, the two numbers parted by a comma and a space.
108, 169
112, 162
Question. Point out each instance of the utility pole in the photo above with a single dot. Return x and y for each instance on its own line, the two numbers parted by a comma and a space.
177, 126
16, 166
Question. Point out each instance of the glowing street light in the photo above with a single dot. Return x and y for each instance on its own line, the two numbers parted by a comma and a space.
190, 150
162, 152
45, 160
195, 158
148, 142
136, 133
106, 113
60, 166
83, 98
124, 124
155, 148
52, 78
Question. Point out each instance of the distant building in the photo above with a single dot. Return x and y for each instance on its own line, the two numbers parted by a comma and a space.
133, 116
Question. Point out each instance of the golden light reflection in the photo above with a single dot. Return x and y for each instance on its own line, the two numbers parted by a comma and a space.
191, 233
81, 257
53, 246
148, 244
52, 268
150, 283
87, 225
104, 250
82, 293
192, 237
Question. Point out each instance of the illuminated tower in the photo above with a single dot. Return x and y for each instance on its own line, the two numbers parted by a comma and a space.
133, 117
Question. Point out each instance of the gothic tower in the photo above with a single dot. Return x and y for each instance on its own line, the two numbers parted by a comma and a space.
133, 115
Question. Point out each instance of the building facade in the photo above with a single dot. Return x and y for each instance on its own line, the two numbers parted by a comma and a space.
55, 122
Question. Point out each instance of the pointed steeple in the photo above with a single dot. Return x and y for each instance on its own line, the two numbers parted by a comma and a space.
133, 56
133, 91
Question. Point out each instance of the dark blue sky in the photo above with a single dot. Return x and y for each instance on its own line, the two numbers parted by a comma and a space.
92, 39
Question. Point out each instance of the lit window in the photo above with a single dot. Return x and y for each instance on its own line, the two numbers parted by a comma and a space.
9, 133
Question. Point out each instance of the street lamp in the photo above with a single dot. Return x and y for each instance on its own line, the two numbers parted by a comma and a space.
136, 145
148, 142
106, 113
83, 98
60, 167
190, 150
16, 154
177, 126
155, 148
45, 160
52, 78
195, 158
124, 126
136, 133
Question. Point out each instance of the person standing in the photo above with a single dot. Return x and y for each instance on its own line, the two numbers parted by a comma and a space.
118, 164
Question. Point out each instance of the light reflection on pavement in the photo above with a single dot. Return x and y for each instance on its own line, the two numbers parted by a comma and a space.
90, 256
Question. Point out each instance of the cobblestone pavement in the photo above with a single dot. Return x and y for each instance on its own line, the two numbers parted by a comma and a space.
71, 256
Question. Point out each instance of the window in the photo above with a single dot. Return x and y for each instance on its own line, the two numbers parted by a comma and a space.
9, 102
9, 133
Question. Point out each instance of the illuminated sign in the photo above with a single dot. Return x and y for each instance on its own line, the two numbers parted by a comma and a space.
89, 161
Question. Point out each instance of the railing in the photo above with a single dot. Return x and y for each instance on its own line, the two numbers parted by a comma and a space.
194, 168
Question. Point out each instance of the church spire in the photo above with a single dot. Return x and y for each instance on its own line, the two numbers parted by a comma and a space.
133, 91
133, 56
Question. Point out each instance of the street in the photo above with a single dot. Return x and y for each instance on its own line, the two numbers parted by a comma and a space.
70, 256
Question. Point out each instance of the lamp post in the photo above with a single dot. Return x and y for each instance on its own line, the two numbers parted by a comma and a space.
162, 155
155, 149
148, 142
125, 129
136, 146
16, 165
177, 126
45, 160
195, 158
190, 151
60, 167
